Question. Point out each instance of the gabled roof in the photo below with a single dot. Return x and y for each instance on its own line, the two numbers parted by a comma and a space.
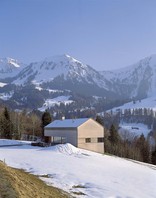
67, 123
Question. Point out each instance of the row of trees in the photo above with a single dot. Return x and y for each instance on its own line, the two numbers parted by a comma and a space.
124, 145
136, 149
148, 119
141, 115
16, 124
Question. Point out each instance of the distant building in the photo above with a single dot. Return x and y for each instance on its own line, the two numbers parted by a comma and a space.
83, 133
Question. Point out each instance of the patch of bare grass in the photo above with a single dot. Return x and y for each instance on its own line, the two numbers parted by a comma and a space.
16, 183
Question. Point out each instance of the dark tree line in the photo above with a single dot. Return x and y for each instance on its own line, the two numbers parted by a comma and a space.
14, 125
23, 125
138, 149
145, 116
132, 147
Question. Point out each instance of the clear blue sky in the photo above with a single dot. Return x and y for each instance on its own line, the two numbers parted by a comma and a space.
106, 34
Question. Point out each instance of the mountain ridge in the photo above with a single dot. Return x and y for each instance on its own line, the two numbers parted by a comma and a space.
139, 78
64, 72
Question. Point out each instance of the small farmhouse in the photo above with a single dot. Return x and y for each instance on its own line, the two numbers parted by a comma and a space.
83, 133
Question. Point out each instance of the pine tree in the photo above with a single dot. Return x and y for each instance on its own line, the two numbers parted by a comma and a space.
6, 124
99, 120
6, 114
154, 157
146, 152
46, 119
114, 136
114, 141
143, 146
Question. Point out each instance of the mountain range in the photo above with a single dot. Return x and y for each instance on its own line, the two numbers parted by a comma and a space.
21, 84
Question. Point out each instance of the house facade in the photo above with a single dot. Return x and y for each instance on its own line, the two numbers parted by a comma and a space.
83, 133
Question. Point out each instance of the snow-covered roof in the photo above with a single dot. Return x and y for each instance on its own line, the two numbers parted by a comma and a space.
67, 123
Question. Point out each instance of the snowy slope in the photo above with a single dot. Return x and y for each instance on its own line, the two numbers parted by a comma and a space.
9, 67
149, 103
55, 101
6, 96
2, 84
133, 129
76, 170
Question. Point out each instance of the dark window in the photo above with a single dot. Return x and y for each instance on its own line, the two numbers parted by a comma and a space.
100, 139
88, 140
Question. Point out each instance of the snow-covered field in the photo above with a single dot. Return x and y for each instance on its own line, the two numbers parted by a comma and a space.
2, 84
50, 90
134, 129
76, 170
5, 142
55, 101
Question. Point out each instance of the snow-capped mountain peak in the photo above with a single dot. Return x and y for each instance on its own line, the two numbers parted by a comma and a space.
13, 62
66, 59
9, 67
63, 66
6, 62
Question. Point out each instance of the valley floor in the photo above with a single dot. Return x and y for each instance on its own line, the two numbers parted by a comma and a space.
83, 173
